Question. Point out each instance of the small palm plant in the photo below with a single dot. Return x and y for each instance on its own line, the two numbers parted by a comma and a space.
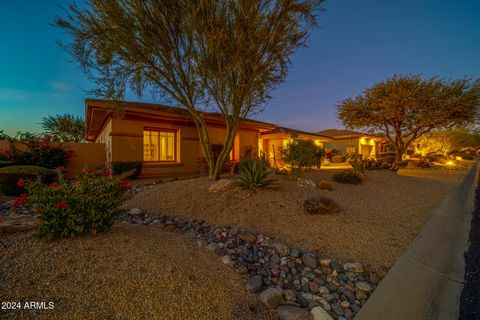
253, 174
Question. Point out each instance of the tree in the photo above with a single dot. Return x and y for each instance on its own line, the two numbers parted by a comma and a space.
447, 141
404, 108
68, 127
222, 55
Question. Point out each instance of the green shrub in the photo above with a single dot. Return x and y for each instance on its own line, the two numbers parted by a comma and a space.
123, 167
4, 163
302, 154
253, 174
423, 164
347, 176
74, 208
11, 175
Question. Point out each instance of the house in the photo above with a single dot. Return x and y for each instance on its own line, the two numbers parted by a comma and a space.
349, 141
165, 138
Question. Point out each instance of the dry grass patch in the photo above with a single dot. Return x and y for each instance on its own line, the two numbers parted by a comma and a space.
377, 219
132, 272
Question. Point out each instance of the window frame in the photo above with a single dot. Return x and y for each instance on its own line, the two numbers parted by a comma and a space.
175, 144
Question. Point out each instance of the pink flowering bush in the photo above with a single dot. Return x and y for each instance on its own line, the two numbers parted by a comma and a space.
86, 205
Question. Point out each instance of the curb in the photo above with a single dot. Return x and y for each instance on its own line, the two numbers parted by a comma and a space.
427, 280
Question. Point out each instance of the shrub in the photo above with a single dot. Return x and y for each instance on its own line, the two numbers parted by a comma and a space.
11, 175
216, 149
301, 154
423, 164
253, 174
4, 163
358, 164
74, 208
134, 168
347, 176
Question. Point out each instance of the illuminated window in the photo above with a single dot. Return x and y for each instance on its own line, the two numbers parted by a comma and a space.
159, 145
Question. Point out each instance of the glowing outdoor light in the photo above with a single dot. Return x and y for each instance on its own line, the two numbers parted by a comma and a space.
449, 163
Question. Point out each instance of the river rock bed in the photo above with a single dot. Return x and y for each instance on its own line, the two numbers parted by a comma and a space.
292, 280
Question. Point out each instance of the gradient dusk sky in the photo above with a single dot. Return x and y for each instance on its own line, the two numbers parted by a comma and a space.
357, 44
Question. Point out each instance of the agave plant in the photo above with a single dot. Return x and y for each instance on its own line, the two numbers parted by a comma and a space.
253, 174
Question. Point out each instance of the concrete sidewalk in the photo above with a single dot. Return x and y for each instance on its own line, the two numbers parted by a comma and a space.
426, 281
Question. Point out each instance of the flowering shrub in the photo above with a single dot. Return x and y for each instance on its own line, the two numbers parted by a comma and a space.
12, 178
86, 205
39, 152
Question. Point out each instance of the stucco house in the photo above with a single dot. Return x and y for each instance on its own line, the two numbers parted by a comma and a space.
349, 141
165, 139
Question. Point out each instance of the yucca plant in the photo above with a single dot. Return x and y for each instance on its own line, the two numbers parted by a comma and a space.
253, 174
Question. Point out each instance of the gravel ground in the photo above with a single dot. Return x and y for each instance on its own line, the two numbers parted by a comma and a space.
377, 221
132, 272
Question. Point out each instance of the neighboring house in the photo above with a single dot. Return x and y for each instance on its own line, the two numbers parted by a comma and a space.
367, 145
165, 138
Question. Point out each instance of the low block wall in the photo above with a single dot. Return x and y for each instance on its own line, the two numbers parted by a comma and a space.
89, 155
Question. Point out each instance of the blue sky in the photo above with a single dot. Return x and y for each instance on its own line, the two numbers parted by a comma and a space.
357, 44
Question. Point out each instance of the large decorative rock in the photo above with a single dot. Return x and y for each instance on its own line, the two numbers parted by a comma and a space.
19, 223
325, 185
354, 267
221, 185
363, 286
293, 313
310, 260
271, 297
135, 211
282, 249
305, 182
320, 205
255, 283
247, 237
318, 313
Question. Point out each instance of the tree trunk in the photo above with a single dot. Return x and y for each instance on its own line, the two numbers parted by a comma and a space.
204, 139
231, 130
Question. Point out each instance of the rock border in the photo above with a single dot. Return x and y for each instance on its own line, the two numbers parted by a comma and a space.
300, 284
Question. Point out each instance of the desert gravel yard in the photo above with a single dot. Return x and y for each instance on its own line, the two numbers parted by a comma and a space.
132, 272
376, 222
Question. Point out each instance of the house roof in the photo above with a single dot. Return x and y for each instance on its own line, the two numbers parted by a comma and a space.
345, 134
99, 111
288, 132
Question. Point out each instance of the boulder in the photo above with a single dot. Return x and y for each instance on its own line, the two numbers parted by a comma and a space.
271, 297
247, 237
286, 312
318, 313
325, 185
281, 249
221, 185
305, 182
356, 267
255, 283
320, 205
135, 211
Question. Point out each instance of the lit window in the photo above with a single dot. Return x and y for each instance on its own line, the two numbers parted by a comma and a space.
159, 145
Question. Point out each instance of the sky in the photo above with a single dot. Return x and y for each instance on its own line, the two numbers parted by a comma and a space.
356, 44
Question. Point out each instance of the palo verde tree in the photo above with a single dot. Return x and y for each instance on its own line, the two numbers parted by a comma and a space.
404, 108
220, 55
67, 127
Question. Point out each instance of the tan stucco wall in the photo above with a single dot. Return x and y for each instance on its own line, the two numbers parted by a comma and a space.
342, 145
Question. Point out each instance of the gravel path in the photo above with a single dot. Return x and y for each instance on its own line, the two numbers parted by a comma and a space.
132, 272
377, 219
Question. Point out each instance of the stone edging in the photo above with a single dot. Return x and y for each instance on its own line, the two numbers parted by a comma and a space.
292, 280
